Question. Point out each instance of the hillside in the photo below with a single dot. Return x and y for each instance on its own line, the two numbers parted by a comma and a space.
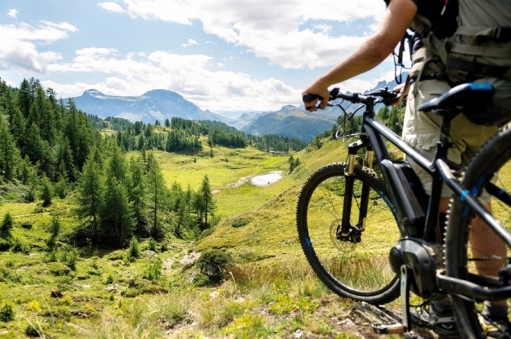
270, 292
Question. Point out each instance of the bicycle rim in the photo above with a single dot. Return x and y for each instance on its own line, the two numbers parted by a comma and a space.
462, 251
359, 271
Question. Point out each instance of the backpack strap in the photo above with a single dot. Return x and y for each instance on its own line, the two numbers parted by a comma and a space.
500, 34
471, 67
470, 43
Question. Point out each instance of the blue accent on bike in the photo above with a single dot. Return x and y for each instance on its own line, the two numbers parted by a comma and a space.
474, 192
481, 87
464, 194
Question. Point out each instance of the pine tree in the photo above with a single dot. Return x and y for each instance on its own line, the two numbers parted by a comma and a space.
206, 202
25, 98
117, 220
54, 233
9, 156
47, 191
6, 226
90, 198
157, 193
137, 190
117, 166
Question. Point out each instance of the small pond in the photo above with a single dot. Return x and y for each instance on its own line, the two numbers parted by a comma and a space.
266, 179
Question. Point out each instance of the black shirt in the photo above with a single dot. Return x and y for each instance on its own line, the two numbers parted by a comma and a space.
443, 24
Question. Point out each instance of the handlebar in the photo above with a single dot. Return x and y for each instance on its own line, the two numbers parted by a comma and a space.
378, 95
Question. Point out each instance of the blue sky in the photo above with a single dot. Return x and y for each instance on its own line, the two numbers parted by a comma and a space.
222, 55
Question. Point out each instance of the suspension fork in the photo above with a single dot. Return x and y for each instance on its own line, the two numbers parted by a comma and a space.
347, 229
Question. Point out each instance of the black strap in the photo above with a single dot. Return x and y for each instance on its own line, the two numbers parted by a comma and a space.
476, 68
503, 34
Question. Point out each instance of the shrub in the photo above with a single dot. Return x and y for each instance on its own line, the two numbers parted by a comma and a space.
164, 247
7, 313
4, 245
152, 245
6, 226
47, 192
27, 225
206, 232
134, 249
109, 279
69, 258
214, 264
18, 246
31, 331
240, 222
153, 272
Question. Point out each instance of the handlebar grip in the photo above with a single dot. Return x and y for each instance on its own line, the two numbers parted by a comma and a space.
310, 97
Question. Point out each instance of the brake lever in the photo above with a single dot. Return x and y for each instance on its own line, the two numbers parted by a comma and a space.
311, 97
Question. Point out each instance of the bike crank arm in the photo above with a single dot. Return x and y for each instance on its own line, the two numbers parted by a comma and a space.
406, 323
405, 298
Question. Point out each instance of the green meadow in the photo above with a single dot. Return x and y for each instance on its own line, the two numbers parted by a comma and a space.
268, 292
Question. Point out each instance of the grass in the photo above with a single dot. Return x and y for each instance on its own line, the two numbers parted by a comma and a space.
270, 293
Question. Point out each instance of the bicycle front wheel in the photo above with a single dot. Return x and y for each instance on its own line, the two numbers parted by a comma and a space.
356, 270
472, 249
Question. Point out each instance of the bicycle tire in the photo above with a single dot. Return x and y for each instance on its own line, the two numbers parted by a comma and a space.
493, 157
359, 271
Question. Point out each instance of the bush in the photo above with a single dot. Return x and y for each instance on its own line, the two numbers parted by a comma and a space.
153, 272
240, 222
164, 247
4, 245
18, 246
152, 245
27, 225
134, 249
215, 264
6, 226
6, 313
31, 331
69, 258
205, 233
109, 279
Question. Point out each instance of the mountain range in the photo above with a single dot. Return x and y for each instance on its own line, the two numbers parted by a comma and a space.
154, 105
162, 104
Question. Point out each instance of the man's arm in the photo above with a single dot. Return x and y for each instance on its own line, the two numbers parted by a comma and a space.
372, 52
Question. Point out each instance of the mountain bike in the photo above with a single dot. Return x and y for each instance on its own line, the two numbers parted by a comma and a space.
369, 231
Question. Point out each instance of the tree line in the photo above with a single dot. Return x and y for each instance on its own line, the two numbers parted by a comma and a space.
48, 148
118, 198
183, 136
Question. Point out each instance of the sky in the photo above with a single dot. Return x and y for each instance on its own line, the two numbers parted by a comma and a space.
222, 55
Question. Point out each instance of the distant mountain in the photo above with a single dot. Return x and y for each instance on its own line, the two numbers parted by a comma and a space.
296, 122
151, 106
290, 122
161, 104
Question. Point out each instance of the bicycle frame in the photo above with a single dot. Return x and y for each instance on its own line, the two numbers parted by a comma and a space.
372, 137
440, 168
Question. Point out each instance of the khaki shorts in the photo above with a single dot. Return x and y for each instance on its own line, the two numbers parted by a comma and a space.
421, 130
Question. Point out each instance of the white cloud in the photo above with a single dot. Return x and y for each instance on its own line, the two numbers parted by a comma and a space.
111, 7
18, 49
276, 30
190, 75
292, 34
189, 43
12, 13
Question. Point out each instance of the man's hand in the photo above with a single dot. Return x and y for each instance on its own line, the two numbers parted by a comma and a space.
318, 93
402, 89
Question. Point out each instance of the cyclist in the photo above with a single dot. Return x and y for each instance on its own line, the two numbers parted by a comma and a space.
427, 80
